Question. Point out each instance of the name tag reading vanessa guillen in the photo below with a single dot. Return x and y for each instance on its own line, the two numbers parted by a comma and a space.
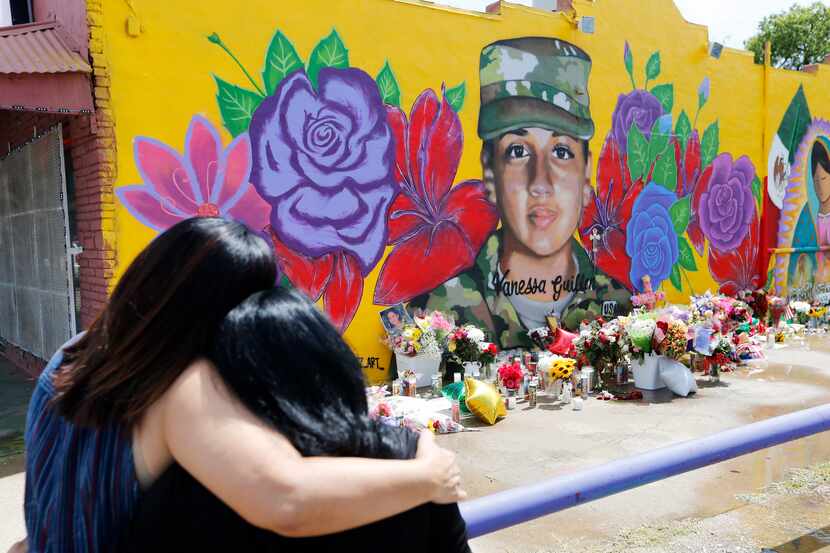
531, 286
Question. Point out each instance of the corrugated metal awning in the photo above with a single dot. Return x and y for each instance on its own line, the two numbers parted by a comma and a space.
41, 70
38, 48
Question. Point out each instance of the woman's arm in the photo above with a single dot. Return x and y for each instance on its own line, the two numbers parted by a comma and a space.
20, 547
259, 474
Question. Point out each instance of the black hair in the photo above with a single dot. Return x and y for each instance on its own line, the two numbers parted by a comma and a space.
163, 314
284, 360
819, 157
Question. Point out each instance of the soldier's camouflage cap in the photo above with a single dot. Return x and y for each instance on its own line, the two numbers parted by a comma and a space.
534, 82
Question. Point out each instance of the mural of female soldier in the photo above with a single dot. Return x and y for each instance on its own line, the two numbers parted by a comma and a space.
535, 122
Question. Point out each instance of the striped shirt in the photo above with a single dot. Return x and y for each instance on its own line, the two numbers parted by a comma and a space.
81, 485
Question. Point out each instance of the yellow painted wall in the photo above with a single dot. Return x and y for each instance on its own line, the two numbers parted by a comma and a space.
162, 77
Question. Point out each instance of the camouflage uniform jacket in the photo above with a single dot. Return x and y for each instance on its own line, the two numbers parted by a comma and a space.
474, 299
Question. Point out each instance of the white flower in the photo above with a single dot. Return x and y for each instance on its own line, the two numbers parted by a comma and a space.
800, 306
475, 334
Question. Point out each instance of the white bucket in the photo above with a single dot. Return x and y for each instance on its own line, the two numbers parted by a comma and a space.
424, 366
647, 373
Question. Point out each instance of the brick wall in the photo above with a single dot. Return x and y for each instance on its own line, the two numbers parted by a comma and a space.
90, 143
93, 158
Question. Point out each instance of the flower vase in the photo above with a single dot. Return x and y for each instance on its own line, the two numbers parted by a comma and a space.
714, 373
554, 389
472, 368
487, 373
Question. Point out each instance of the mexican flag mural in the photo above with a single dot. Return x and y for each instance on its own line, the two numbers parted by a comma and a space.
797, 204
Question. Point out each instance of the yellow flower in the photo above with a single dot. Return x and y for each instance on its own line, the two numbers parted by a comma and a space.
451, 346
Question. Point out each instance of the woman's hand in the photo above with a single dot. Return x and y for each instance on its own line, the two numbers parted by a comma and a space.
443, 472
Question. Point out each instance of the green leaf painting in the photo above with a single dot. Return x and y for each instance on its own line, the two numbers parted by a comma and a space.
280, 61
681, 212
794, 123
756, 191
653, 67
665, 172
675, 278
683, 130
455, 96
664, 93
628, 59
687, 258
236, 105
390, 92
658, 143
709, 145
329, 52
637, 152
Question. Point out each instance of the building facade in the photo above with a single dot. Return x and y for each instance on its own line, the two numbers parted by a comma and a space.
498, 165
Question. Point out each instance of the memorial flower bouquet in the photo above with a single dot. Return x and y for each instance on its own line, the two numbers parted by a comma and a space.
676, 340
801, 311
600, 344
464, 344
427, 335
511, 375
640, 333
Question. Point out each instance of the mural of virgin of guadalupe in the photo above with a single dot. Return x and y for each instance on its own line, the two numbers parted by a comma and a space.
813, 226
805, 215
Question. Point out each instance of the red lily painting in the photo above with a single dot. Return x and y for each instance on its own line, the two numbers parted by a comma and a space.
608, 213
736, 270
436, 229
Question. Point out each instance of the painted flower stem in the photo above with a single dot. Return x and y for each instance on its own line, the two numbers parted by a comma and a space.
633, 84
688, 282
214, 38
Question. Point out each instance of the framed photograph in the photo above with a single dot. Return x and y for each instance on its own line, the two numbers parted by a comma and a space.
394, 318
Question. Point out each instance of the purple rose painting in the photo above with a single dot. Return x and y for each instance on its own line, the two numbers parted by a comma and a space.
323, 159
638, 106
651, 242
726, 207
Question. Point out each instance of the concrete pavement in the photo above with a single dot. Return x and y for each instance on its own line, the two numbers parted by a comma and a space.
708, 510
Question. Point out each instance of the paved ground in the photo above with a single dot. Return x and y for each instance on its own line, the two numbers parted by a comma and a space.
703, 511
15, 391
745, 505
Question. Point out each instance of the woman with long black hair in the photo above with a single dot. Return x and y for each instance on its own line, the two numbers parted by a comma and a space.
280, 358
119, 404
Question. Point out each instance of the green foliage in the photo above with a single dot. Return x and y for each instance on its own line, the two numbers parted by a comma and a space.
675, 278
280, 61
455, 96
664, 93
800, 36
683, 130
637, 152
687, 258
681, 212
236, 105
390, 92
329, 52
710, 144
653, 67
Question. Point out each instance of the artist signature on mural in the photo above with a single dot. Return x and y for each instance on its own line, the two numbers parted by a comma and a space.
371, 363
531, 286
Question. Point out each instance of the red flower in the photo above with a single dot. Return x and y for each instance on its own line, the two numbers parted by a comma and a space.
336, 274
436, 228
609, 212
735, 270
689, 179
